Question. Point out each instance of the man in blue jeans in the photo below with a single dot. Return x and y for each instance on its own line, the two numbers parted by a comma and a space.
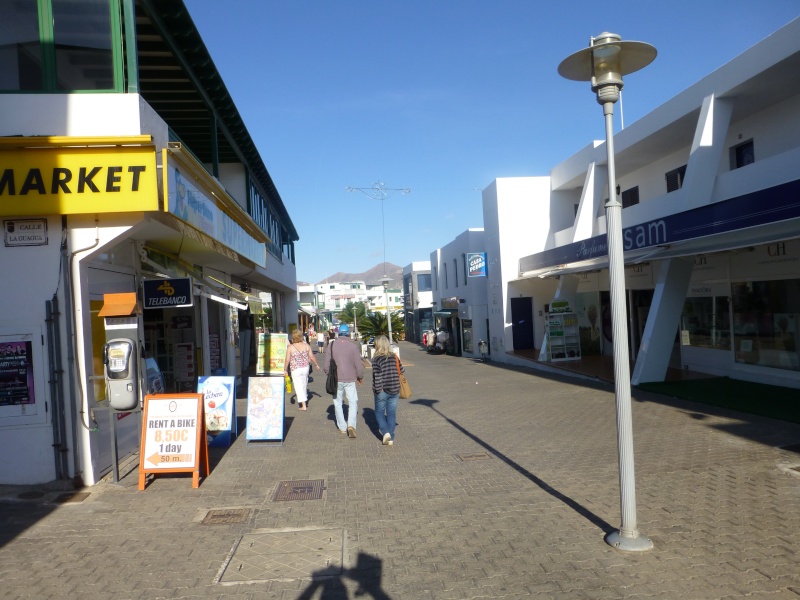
350, 370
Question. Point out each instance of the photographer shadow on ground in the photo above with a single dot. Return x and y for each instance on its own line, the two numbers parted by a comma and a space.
367, 573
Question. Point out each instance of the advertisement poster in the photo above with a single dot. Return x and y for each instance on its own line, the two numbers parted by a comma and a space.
170, 431
219, 408
16, 373
271, 353
265, 409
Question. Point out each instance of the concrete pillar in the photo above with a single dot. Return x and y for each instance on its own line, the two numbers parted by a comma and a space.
662, 322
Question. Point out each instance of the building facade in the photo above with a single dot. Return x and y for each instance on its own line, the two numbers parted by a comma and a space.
711, 231
459, 294
123, 163
417, 299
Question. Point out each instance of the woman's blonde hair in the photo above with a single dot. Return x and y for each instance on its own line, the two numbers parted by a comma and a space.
297, 336
382, 347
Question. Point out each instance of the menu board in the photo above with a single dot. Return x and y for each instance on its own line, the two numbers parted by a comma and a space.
219, 408
265, 409
16, 373
271, 353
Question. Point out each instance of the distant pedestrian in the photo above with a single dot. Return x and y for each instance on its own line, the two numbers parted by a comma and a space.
298, 355
350, 369
386, 387
320, 342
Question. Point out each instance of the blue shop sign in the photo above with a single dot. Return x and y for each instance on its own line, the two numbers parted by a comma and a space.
168, 293
477, 264
771, 205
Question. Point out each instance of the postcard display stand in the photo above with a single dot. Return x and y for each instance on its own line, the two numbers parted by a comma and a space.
266, 409
563, 337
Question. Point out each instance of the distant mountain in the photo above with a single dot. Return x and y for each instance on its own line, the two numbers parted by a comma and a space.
373, 276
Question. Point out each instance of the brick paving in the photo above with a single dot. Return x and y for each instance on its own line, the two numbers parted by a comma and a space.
502, 484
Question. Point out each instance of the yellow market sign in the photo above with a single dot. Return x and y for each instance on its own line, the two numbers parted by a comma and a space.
74, 180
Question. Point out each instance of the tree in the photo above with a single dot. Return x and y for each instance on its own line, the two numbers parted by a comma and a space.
374, 324
352, 313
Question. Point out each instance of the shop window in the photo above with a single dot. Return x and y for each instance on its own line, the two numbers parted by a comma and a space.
675, 178
705, 323
424, 282
630, 197
20, 48
743, 155
766, 315
78, 46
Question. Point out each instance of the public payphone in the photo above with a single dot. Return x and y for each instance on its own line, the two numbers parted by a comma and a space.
120, 357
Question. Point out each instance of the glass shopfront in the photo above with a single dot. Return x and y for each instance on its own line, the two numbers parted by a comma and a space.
765, 319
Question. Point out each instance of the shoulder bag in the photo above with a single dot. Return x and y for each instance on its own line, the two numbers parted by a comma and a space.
405, 388
332, 383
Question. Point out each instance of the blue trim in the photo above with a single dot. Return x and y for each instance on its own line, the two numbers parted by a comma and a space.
764, 207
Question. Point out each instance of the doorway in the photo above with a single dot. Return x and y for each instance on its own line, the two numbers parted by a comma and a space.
522, 323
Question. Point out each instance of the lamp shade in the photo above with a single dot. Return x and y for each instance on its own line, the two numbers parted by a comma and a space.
608, 56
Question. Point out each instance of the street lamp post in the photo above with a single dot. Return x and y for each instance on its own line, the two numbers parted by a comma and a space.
604, 63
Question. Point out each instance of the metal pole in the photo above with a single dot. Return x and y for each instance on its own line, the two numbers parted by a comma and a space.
628, 537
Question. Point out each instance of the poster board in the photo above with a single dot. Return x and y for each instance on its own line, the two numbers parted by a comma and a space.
173, 436
271, 353
219, 408
265, 409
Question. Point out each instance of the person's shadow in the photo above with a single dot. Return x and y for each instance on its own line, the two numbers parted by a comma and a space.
368, 573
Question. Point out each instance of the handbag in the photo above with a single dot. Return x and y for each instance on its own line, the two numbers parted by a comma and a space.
405, 387
332, 383
288, 380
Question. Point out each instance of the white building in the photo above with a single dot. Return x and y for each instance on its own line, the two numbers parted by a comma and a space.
123, 163
459, 295
417, 299
709, 183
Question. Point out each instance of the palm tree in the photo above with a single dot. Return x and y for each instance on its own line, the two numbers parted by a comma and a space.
352, 314
374, 324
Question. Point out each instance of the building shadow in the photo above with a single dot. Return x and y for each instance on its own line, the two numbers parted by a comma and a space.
330, 581
576, 506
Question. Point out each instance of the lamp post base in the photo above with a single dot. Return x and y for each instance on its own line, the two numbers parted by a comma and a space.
639, 543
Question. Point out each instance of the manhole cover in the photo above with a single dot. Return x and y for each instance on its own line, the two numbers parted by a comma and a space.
30, 495
72, 497
472, 456
792, 448
223, 516
265, 556
299, 489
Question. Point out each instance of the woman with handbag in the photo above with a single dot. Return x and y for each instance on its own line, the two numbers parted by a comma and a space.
298, 355
386, 369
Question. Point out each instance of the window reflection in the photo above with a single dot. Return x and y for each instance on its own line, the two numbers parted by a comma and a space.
82, 35
20, 50
705, 323
765, 319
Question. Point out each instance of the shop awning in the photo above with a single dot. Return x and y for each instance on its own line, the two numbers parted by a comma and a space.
120, 305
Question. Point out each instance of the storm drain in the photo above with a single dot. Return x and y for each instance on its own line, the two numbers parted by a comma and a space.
224, 516
30, 495
282, 555
472, 456
72, 497
299, 489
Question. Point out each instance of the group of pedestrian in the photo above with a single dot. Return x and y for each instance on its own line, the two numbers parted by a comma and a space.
386, 369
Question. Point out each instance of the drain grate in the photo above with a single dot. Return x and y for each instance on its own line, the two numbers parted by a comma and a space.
793, 448
299, 489
472, 456
283, 555
224, 516
72, 497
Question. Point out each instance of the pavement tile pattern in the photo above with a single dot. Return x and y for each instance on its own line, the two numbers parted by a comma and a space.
502, 483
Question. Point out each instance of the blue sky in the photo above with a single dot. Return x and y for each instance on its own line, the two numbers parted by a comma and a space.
440, 97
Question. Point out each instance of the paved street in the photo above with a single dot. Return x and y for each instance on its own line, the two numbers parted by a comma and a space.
502, 484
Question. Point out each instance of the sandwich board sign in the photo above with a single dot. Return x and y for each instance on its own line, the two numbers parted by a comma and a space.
173, 436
